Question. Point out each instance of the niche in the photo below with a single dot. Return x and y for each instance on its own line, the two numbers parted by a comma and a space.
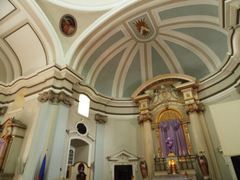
81, 150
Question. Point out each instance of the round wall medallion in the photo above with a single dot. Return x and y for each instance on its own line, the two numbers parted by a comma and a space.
81, 128
68, 25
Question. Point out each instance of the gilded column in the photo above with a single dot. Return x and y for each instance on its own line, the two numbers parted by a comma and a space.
145, 119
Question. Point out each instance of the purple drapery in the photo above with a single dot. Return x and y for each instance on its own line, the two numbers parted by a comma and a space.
173, 130
1, 144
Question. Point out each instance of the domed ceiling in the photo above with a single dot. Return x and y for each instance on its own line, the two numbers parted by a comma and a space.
117, 47
152, 38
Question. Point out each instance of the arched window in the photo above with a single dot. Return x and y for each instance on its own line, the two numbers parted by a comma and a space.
84, 103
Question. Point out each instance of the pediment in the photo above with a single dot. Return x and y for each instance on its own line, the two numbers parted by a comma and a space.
123, 155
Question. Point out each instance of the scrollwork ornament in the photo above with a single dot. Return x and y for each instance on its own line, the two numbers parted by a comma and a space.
191, 108
144, 117
55, 98
100, 118
201, 107
3, 110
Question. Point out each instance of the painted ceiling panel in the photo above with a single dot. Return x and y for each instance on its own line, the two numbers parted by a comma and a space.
158, 64
203, 9
28, 49
100, 50
210, 37
3, 75
133, 79
105, 78
8, 8
190, 62
136, 33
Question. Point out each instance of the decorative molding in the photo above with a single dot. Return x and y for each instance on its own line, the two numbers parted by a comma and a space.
228, 162
123, 158
55, 98
3, 110
101, 118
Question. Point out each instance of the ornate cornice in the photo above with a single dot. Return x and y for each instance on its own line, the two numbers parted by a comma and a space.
56, 98
100, 118
3, 110
144, 117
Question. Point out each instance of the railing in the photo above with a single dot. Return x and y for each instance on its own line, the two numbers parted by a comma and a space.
185, 162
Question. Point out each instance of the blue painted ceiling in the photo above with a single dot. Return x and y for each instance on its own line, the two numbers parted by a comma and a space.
183, 37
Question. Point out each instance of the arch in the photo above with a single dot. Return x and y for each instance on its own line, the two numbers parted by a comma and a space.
168, 114
164, 77
82, 138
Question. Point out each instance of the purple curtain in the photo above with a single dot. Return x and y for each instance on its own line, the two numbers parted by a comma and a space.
173, 130
1, 144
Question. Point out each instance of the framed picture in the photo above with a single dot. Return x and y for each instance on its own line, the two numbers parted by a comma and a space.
80, 171
68, 25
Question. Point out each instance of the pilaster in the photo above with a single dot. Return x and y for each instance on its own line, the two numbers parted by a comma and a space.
49, 135
101, 120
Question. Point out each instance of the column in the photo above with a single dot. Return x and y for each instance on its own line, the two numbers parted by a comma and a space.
99, 147
191, 107
49, 134
145, 119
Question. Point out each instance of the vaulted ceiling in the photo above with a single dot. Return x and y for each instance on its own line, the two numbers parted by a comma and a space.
118, 45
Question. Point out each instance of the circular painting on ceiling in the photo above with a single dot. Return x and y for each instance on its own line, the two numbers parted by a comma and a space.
68, 25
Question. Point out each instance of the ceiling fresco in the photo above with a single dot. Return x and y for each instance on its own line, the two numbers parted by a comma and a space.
116, 48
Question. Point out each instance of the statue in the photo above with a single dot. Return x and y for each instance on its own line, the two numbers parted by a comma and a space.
169, 143
204, 165
144, 170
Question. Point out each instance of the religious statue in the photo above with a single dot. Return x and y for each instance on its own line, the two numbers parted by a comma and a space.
169, 143
144, 170
204, 165
81, 174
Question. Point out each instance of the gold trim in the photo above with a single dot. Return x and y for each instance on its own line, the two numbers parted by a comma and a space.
187, 138
157, 119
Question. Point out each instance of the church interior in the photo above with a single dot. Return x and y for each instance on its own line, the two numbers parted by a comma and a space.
119, 89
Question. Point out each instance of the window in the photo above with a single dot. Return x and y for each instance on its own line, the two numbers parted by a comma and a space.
84, 103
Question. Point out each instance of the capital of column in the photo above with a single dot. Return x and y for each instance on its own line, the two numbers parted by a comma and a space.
201, 107
190, 108
3, 110
101, 118
56, 98
144, 117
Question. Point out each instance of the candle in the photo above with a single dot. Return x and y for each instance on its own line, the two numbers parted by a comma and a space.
158, 155
153, 156
184, 153
188, 152
162, 154
180, 153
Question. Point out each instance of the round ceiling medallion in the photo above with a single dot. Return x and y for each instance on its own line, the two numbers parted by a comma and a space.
68, 25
